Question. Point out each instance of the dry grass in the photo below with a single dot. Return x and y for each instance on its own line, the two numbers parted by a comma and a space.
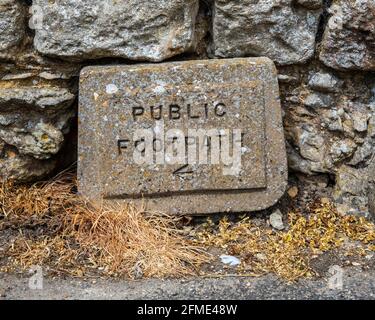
58, 230
68, 235
287, 254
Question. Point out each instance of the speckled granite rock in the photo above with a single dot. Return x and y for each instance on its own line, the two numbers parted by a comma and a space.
349, 38
117, 101
151, 30
12, 28
277, 29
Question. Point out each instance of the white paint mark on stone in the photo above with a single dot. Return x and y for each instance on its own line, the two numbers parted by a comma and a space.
111, 88
159, 90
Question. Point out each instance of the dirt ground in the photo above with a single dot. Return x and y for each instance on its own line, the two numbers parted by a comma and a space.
356, 284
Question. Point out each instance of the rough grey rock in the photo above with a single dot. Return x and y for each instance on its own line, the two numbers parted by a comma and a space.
17, 76
349, 38
363, 153
286, 78
371, 199
276, 220
44, 98
318, 100
41, 141
16, 167
330, 122
334, 120
298, 164
342, 149
151, 30
351, 191
11, 25
324, 82
277, 29
311, 143
371, 189
35, 119
360, 120
310, 4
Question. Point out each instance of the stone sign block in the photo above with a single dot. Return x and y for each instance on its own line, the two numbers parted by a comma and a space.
185, 137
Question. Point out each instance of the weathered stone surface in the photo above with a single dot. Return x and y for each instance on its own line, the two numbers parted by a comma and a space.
330, 126
351, 193
151, 30
12, 28
42, 98
16, 167
33, 121
117, 101
318, 100
324, 82
371, 189
278, 29
329, 120
349, 38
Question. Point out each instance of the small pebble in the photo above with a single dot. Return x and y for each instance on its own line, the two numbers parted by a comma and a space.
293, 192
276, 220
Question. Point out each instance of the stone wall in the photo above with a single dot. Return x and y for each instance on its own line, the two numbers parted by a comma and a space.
324, 51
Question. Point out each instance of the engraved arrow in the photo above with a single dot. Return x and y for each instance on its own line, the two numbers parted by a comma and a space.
184, 170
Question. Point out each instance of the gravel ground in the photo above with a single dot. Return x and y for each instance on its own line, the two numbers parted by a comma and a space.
357, 284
